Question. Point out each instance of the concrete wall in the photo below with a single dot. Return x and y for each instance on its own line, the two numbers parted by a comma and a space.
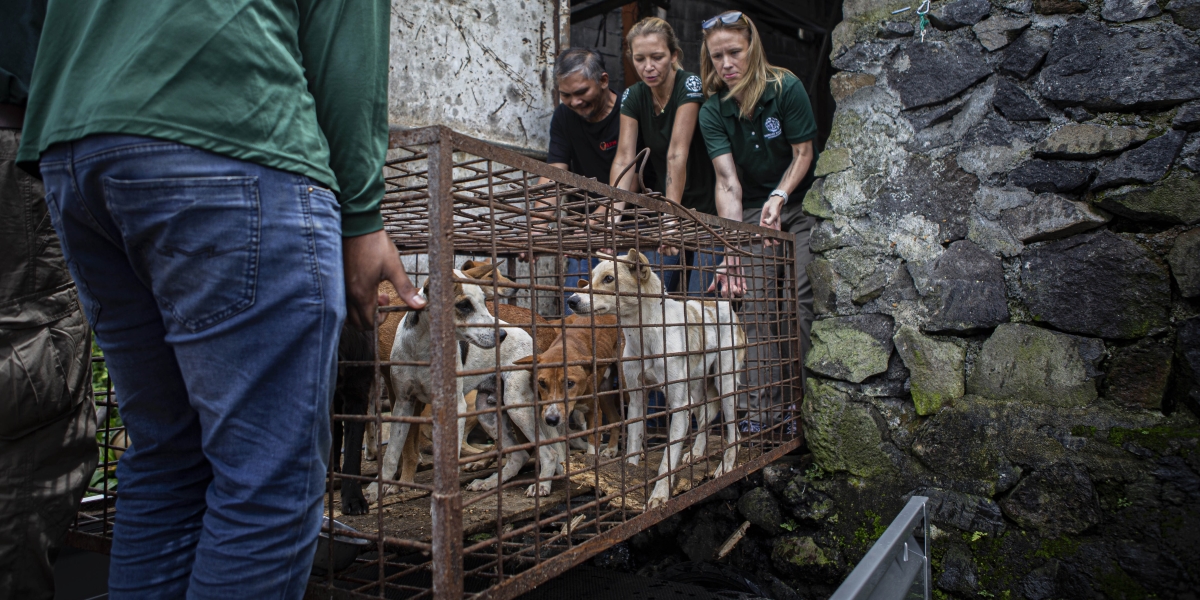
481, 67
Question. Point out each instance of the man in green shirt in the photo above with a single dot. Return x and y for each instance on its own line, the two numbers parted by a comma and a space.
214, 172
759, 130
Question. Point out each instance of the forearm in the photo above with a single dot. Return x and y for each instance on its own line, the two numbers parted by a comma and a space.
344, 49
729, 199
802, 155
676, 177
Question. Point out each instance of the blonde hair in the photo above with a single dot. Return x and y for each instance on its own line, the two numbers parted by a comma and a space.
758, 73
652, 26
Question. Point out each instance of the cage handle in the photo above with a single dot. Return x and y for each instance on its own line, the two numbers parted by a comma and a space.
642, 156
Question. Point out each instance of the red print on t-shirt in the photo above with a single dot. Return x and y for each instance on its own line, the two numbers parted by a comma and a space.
607, 145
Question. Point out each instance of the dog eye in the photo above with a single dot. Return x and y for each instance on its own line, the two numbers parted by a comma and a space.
491, 401
608, 279
570, 384
463, 305
542, 383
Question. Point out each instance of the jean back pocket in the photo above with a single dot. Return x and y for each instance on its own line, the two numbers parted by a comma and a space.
193, 240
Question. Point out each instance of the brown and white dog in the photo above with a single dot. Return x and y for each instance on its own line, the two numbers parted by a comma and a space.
475, 325
504, 288
694, 349
591, 354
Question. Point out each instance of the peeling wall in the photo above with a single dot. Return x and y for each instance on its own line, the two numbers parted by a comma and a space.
481, 67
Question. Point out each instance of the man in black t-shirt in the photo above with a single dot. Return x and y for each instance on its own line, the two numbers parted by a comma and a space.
583, 131
584, 128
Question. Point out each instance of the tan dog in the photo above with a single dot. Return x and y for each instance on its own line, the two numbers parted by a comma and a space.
694, 349
559, 388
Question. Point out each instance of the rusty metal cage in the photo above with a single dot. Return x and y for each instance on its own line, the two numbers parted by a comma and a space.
438, 528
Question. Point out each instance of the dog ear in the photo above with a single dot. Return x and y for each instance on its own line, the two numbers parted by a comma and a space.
582, 283
603, 256
641, 264
480, 271
470, 264
527, 360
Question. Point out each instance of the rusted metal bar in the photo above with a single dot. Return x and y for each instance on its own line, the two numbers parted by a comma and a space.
446, 504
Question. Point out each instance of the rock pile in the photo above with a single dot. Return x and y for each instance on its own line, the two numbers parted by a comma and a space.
1007, 287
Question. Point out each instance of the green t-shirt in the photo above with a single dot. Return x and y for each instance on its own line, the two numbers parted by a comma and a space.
761, 146
638, 103
298, 85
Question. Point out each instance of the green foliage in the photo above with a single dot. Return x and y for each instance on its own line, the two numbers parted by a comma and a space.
1157, 439
1083, 431
814, 472
105, 476
1057, 548
791, 525
869, 531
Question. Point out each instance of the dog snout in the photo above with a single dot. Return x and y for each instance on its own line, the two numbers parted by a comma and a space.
573, 302
503, 334
552, 418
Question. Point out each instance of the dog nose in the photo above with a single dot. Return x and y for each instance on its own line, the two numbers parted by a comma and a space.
552, 419
573, 302
503, 334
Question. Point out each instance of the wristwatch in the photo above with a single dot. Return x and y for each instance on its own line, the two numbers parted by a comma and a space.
781, 194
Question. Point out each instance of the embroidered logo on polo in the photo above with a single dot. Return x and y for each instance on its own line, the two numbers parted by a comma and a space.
692, 83
773, 129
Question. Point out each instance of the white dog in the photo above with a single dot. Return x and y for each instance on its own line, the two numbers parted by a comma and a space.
514, 427
708, 346
474, 325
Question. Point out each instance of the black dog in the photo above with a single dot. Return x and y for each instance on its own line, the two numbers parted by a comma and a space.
351, 394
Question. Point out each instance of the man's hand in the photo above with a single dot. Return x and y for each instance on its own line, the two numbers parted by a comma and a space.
771, 213
729, 280
368, 260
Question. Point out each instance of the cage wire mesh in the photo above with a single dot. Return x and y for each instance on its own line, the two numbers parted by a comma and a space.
579, 430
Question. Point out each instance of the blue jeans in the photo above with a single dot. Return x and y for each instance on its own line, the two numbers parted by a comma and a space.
215, 289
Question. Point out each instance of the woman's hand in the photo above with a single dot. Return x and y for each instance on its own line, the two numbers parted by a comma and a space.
772, 213
729, 281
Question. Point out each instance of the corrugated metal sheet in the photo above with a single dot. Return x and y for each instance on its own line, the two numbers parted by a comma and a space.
481, 67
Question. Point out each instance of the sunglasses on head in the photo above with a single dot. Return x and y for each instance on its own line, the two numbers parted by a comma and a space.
728, 18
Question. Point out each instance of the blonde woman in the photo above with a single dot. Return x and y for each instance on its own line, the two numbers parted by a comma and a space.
663, 108
757, 120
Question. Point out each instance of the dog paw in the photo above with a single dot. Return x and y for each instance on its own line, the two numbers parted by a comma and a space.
538, 489
610, 452
719, 471
482, 485
634, 460
686, 458
353, 502
372, 493
591, 450
478, 465
656, 501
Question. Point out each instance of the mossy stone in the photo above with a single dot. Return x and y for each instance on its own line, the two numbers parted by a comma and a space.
833, 160
841, 433
1175, 199
851, 348
1024, 362
936, 369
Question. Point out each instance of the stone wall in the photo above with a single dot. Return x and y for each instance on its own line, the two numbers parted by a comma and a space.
1007, 286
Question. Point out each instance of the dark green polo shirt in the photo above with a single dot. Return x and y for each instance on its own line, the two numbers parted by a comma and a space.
298, 85
761, 146
656, 129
